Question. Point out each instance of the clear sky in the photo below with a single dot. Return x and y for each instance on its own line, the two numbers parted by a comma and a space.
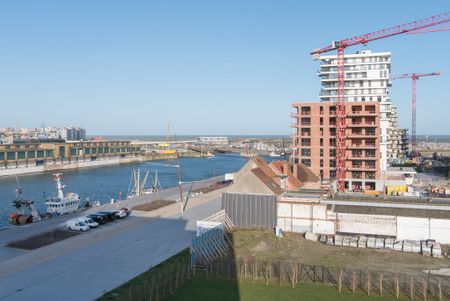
207, 67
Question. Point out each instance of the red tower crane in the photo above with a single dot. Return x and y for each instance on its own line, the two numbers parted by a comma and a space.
414, 77
414, 26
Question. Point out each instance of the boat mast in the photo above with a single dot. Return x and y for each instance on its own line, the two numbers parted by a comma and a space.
180, 188
59, 185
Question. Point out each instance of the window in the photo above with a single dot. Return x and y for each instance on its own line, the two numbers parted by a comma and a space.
306, 152
321, 162
307, 162
332, 174
321, 152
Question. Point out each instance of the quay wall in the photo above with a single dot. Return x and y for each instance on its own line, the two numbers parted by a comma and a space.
65, 165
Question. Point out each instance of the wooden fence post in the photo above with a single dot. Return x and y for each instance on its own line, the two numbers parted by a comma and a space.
280, 274
340, 280
397, 287
439, 290
368, 284
267, 275
245, 269
293, 277
424, 288
270, 271
353, 282
381, 283
253, 273
411, 288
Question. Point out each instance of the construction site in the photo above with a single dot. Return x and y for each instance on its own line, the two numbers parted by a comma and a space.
355, 208
351, 209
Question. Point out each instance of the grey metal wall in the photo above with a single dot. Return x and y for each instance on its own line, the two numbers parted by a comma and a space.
251, 210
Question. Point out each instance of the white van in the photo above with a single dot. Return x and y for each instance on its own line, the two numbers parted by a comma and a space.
77, 225
88, 221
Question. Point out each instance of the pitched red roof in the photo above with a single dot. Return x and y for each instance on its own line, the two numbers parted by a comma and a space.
268, 181
284, 167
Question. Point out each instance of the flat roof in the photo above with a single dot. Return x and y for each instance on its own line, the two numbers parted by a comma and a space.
407, 212
401, 169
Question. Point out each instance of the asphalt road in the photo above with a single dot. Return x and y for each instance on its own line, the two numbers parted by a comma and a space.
88, 265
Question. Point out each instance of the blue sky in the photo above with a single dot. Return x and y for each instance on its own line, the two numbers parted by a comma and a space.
207, 67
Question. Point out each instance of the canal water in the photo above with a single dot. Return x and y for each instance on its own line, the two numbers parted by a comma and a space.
103, 183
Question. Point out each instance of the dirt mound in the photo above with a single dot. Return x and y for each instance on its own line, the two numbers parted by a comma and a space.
43, 239
153, 205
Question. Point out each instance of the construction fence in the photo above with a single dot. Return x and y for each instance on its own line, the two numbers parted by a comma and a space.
288, 274
251, 210
370, 282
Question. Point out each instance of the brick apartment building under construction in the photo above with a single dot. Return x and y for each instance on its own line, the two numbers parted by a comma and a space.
314, 142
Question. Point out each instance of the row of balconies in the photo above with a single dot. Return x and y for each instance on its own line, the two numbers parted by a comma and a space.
353, 92
351, 125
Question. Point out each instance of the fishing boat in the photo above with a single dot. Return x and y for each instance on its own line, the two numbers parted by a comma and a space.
62, 204
140, 187
274, 154
25, 213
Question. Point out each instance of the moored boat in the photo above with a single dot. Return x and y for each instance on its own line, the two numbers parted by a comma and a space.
62, 204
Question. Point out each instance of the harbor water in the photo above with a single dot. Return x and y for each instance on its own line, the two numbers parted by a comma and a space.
104, 183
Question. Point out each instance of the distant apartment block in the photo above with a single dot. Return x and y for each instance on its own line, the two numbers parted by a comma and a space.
11, 135
73, 134
367, 78
314, 141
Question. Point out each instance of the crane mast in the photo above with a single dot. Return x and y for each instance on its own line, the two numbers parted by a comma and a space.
414, 77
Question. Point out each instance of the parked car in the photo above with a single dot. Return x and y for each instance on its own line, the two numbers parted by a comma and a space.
77, 225
109, 214
89, 221
120, 213
127, 211
99, 218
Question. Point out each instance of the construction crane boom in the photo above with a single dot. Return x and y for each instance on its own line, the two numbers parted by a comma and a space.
414, 26
414, 77
387, 32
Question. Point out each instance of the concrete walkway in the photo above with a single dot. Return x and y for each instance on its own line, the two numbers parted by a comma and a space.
88, 265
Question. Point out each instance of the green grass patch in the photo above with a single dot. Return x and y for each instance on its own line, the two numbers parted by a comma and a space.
134, 288
218, 290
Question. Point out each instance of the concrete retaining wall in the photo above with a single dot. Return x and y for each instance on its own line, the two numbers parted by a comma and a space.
53, 167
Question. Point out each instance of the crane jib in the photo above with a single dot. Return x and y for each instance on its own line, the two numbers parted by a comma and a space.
384, 33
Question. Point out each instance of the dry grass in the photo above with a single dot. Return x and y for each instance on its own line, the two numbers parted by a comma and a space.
264, 245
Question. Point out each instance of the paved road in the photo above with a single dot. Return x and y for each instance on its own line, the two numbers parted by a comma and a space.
18, 233
86, 266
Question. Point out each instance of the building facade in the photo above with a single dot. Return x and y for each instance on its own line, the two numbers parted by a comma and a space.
314, 142
367, 78
213, 140
35, 154
73, 134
